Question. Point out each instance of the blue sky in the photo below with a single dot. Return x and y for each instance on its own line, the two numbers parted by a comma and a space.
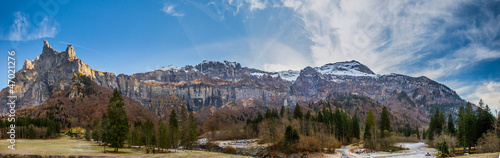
455, 42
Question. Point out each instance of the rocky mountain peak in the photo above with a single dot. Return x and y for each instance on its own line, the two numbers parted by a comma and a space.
309, 71
225, 63
70, 50
222, 70
46, 44
47, 49
28, 65
51, 58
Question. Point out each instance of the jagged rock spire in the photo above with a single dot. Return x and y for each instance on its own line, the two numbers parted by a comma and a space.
71, 52
28, 65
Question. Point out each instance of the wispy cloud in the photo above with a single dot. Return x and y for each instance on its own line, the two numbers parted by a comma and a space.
256, 4
170, 10
453, 63
22, 29
489, 92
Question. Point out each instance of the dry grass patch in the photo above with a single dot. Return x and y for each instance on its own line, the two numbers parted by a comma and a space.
66, 146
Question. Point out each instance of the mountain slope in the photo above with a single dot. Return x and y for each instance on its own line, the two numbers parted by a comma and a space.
82, 102
214, 84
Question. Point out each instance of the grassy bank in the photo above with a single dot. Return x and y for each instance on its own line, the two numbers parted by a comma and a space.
485, 155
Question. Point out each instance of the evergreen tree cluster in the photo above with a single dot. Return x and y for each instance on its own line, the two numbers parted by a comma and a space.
471, 125
161, 136
31, 128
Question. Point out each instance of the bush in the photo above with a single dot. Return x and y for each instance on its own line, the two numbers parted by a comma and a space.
443, 149
386, 144
445, 144
489, 142
310, 144
212, 147
229, 150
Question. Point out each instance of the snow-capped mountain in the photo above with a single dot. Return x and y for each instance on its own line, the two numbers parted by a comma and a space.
351, 68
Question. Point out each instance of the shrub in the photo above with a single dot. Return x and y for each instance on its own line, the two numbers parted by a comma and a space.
229, 150
443, 149
445, 144
489, 142
310, 144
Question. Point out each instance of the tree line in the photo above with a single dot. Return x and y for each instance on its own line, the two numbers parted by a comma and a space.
292, 131
31, 128
114, 131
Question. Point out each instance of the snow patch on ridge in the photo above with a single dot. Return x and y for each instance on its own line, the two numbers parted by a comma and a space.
169, 68
289, 75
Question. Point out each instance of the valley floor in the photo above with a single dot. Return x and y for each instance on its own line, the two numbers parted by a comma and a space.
65, 146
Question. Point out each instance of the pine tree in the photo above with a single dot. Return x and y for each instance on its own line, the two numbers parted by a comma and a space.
275, 113
148, 128
268, 113
442, 123
466, 125
355, 127
95, 130
308, 115
418, 133
297, 112
184, 128
31, 132
138, 133
116, 125
385, 122
498, 125
87, 134
369, 125
291, 136
424, 134
174, 129
461, 120
162, 135
451, 126
282, 111
485, 121
436, 125
193, 131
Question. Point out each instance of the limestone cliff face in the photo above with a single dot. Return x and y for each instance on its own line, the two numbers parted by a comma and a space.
48, 73
214, 84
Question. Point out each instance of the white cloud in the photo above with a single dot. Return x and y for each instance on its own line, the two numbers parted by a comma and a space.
22, 29
295, 4
256, 4
489, 92
485, 89
170, 10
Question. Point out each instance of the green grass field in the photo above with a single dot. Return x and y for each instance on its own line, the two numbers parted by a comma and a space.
66, 146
